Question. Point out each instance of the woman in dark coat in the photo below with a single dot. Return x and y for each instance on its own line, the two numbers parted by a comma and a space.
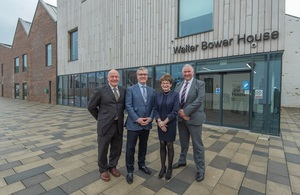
166, 109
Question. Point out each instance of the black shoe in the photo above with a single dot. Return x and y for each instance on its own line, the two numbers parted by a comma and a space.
129, 178
162, 172
145, 170
177, 165
199, 176
168, 174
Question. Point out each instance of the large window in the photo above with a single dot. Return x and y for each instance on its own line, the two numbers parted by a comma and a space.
48, 55
195, 16
74, 45
24, 62
16, 65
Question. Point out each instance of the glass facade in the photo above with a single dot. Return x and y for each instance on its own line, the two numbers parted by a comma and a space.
242, 92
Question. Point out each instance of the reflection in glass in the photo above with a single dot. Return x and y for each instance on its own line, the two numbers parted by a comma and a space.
159, 72
83, 92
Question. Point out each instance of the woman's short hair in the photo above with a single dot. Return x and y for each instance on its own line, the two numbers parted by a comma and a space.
166, 77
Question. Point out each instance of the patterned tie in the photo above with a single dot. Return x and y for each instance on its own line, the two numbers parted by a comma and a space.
116, 93
182, 97
144, 93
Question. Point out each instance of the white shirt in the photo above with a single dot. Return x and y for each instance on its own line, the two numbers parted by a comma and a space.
117, 89
187, 89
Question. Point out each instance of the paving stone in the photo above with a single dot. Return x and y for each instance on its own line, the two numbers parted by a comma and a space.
246, 191
55, 191
217, 146
80, 182
224, 190
35, 180
27, 174
293, 158
258, 153
237, 167
278, 168
177, 186
32, 190
256, 176
278, 179
154, 183
220, 162
9, 165
276, 188
232, 178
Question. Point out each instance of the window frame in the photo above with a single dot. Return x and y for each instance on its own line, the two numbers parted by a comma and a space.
24, 63
73, 52
49, 55
16, 65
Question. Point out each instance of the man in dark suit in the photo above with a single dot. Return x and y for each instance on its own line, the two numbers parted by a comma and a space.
107, 106
191, 117
140, 108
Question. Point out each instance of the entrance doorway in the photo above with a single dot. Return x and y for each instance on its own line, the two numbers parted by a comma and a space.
227, 98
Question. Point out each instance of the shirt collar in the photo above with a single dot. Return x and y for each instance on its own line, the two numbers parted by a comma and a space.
140, 85
190, 81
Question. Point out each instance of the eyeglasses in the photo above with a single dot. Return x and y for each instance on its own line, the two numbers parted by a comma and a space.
143, 75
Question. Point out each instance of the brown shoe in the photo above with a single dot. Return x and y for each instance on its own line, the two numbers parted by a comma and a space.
105, 176
114, 172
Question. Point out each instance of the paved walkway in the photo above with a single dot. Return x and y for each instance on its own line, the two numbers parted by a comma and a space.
46, 149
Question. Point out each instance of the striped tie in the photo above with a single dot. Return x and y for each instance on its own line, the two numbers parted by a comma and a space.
116, 94
182, 97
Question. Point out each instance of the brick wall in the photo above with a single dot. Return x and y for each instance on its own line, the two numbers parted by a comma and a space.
38, 75
42, 33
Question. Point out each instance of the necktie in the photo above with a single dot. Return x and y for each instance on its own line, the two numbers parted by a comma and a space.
116, 93
144, 93
182, 97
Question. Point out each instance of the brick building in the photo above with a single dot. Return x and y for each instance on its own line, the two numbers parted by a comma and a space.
28, 67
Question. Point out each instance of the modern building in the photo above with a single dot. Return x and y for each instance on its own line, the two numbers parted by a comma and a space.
236, 47
247, 52
28, 66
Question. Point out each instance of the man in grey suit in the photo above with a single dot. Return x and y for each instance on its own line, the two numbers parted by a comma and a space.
191, 116
140, 108
107, 106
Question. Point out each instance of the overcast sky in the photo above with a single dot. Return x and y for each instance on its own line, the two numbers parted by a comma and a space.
11, 10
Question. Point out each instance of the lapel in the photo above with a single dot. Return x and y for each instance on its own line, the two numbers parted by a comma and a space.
138, 91
109, 91
179, 86
191, 90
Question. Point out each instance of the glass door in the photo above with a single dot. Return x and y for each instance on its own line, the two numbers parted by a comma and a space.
212, 98
236, 91
227, 98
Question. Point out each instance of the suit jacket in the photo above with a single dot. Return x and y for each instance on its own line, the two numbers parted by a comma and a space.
104, 108
137, 108
194, 103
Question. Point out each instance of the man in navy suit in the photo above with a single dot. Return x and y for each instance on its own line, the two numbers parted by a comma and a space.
191, 116
139, 105
107, 106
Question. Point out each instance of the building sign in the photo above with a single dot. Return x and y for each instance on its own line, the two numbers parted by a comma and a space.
227, 42
258, 94
245, 85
